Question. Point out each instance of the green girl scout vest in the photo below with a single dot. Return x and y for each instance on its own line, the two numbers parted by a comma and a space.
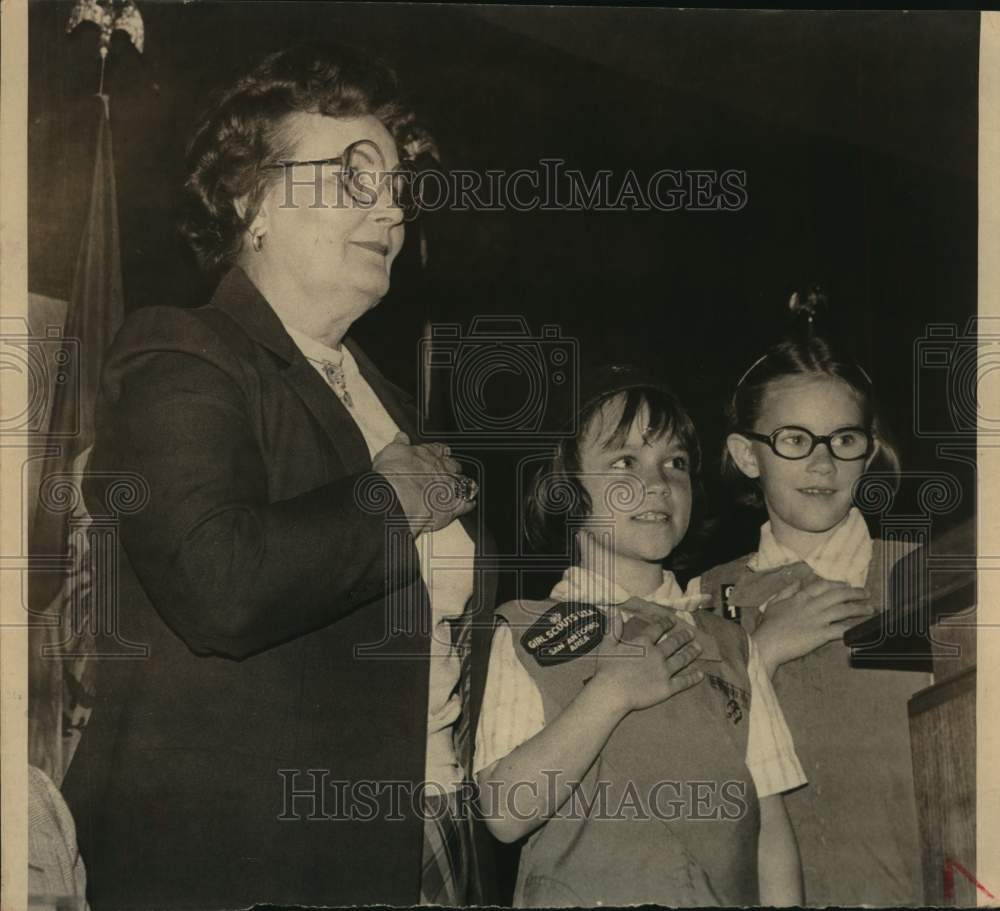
856, 819
668, 812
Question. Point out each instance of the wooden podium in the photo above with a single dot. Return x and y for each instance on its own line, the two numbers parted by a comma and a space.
937, 620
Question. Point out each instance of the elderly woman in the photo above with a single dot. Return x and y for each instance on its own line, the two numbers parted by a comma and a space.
298, 732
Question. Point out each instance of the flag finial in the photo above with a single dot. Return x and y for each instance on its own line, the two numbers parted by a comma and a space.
109, 16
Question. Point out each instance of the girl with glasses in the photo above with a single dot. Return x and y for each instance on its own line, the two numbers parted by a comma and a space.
803, 430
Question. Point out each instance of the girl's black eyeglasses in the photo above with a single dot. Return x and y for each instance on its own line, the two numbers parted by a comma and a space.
847, 444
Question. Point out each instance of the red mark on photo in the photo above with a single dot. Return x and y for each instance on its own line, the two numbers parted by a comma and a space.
950, 866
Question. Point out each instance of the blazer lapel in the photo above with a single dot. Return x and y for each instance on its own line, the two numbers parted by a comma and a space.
399, 405
333, 417
239, 298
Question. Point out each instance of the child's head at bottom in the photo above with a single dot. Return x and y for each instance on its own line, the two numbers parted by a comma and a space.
620, 490
803, 429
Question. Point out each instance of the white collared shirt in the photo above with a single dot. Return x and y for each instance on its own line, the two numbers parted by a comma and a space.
513, 711
843, 557
446, 567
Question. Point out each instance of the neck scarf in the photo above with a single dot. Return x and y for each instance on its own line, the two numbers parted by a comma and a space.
843, 557
584, 585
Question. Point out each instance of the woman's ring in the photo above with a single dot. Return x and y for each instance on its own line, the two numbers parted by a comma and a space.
466, 489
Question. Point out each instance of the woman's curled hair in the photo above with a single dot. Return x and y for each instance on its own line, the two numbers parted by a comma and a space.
244, 130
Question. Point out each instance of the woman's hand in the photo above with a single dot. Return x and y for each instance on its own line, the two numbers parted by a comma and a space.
804, 617
647, 664
424, 477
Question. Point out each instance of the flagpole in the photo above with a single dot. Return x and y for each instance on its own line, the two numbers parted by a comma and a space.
94, 313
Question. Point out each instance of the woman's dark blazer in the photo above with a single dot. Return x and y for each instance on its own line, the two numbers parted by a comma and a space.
274, 586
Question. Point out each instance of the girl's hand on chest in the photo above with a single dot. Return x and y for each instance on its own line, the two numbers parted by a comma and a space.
804, 617
647, 663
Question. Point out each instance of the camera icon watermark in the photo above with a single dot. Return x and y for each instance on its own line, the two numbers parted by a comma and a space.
85, 617
506, 387
957, 364
50, 362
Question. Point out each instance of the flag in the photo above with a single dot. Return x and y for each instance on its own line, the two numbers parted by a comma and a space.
95, 311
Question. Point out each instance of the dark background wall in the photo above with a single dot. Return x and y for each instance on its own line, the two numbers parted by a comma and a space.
857, 132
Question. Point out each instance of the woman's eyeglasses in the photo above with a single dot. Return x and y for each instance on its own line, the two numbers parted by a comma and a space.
364, 174
847, 444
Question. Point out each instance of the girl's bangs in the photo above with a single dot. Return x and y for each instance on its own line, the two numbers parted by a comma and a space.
664, 417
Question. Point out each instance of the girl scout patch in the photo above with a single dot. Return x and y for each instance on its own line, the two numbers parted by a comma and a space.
564, 632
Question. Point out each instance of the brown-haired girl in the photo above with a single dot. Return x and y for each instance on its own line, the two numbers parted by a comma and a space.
617, 733
804, 428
